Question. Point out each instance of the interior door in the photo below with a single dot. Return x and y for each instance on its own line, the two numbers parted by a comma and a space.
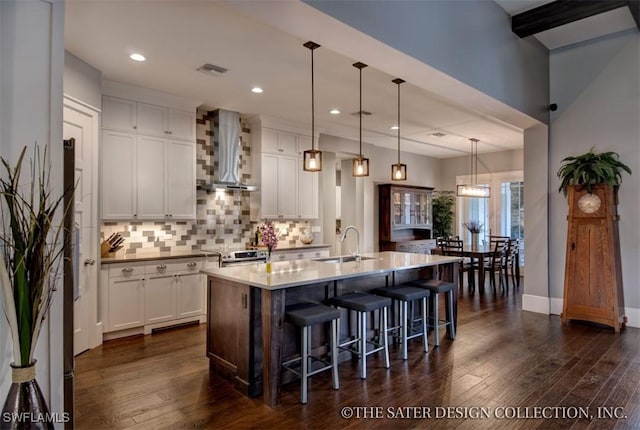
80, 123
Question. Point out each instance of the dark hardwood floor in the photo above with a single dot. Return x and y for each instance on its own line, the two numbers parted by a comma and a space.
504, 362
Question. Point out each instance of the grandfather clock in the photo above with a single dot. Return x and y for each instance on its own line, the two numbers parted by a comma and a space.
593, 275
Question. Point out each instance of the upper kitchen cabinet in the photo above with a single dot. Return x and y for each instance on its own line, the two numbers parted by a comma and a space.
285, 191
148, 119
148, 156
146, 177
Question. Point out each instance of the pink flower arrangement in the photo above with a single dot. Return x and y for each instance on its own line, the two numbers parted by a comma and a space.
269, 236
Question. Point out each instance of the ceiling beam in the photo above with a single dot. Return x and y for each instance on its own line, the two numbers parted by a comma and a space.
562, 12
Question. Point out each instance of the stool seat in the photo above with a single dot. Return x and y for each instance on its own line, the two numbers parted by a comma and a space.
401, 292
404, 328
434, 285
304, 314
361, 302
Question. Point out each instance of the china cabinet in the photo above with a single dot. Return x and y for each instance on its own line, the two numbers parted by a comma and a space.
405, 215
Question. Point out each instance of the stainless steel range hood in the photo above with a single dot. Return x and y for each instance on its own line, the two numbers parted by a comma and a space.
226, 125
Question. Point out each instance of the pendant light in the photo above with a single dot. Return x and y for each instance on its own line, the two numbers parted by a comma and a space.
312, 158
398, 170
360, 165
473, 190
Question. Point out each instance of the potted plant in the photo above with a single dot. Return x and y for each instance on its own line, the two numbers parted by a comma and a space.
28, 270
591, 169
475, 228
443, 214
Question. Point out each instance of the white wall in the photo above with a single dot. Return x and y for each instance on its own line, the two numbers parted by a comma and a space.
31, 68
82, 81
597, 88
360, 195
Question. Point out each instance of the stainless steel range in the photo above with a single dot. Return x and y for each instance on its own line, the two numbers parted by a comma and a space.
238, 258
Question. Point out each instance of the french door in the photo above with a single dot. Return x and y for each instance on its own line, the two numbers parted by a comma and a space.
502, 214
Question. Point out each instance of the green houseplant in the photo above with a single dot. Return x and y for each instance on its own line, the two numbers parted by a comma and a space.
443, 214
590, 169
28, 272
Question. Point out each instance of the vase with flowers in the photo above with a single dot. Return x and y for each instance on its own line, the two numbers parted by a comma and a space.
270, 240
475, 227
28, 272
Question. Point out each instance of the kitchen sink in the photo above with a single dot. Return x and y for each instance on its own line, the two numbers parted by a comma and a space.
341, 259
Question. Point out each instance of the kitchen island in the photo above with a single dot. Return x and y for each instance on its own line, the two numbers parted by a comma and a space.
247, 336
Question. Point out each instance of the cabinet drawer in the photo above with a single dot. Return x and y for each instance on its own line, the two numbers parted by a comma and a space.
182, 265
126, 270
320, 253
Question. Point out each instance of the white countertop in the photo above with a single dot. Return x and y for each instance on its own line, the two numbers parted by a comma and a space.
301, 272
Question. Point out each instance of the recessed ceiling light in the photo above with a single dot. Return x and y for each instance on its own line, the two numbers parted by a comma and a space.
256, 90
393, 127
334, 112
137, 57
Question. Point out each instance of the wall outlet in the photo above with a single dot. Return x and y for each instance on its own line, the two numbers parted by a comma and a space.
316, 229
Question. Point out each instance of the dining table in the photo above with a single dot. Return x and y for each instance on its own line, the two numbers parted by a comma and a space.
474, 253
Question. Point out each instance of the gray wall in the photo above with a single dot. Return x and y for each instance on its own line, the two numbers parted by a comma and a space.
82, 81
597, 88
468, 40
31, 69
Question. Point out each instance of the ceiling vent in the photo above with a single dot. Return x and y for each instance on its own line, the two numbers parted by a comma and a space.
212, 69
364, 113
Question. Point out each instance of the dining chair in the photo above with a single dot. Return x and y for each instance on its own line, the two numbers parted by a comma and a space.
496, 263
455, 247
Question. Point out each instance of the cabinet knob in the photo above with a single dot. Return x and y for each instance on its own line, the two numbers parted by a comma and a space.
135, 127
161, 266
127, 269
89, 262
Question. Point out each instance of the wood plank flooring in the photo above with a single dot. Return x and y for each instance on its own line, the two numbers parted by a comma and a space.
504, 362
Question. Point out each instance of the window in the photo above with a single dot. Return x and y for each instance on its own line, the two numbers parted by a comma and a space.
502, 214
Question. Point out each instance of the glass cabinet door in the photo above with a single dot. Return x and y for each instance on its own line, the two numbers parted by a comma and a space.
410, 208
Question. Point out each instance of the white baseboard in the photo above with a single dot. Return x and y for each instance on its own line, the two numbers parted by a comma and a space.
555, 308
538, 304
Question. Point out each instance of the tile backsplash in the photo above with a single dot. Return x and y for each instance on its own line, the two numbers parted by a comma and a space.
222, 217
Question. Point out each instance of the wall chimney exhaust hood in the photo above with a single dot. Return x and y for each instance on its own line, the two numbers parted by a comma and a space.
226, 131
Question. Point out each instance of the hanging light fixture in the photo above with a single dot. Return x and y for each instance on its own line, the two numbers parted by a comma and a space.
398, 170
473, 190
360, 165
312, 158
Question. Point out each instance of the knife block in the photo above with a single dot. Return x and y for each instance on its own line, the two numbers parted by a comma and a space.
104, 249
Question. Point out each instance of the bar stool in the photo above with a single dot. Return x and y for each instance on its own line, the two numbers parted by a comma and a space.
435, 287
305, 315
406, 294
362, 303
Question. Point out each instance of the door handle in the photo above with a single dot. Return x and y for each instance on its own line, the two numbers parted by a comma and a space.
89, 262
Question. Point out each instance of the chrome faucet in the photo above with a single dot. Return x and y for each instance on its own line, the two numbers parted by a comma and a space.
344, 236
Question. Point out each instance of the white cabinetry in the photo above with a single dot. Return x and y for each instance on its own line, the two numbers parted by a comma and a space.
142, 296
148, 172
149, 119
286, 191
125, 297
300, 254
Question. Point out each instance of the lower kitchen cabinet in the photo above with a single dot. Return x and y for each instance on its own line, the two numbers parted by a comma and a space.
300, 254
126, 302
139, 297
